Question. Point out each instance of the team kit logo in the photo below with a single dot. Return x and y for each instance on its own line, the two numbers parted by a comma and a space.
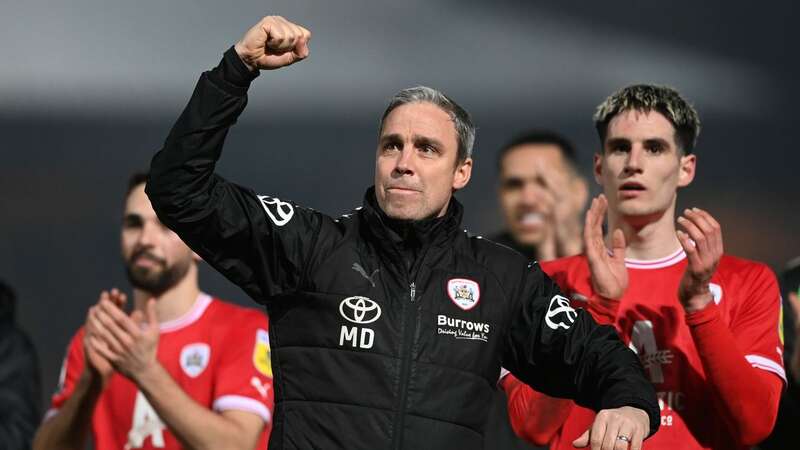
261, 353
559, 313
463, 292
716, 292
279, 212
194, 358
360, 311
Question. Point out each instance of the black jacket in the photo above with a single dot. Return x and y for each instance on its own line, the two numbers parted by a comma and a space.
20, 387
383, 334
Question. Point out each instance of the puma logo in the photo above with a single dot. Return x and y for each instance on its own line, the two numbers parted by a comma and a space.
262, 388
357, 267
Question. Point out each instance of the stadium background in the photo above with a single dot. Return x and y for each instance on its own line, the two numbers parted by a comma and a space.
90, 88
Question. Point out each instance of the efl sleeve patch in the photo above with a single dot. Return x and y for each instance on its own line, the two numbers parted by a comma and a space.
261, 353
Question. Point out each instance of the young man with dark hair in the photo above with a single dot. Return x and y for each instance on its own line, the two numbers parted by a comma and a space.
705, 325
183, 370
390, 324
541, 195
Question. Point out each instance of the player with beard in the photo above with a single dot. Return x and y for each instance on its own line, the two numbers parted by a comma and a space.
183, 370
704, 324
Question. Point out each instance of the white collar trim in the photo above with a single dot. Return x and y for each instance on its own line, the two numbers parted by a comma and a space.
676, 257
190, 317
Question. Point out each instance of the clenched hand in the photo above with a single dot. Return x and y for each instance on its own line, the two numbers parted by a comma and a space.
272, 43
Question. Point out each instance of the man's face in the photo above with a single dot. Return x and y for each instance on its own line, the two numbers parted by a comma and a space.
415, 165
641, 167
534, 178
155, 257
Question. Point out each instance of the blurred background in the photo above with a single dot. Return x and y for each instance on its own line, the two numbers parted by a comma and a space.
89, 90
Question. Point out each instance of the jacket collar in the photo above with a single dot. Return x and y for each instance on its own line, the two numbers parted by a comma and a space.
402, 234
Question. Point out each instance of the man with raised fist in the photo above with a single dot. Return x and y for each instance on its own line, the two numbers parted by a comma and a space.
388, 325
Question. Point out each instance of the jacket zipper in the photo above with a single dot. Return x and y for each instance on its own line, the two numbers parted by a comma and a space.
405, 368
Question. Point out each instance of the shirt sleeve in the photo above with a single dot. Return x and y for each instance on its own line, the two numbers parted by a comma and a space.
757, 324
534, 416
743, 358
244, 375
259, 242
746, 398
71, 369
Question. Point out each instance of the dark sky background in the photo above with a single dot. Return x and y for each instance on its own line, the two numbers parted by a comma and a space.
89, 90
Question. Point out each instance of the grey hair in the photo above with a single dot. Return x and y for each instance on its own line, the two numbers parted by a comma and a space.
649, 97
465, 129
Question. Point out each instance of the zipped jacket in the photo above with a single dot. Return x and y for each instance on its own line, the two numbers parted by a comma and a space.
384, 334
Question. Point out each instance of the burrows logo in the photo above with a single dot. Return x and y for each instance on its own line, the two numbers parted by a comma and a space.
462, 329
463, 292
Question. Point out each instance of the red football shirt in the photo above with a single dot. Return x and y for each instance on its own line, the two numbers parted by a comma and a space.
651, 321
218, 353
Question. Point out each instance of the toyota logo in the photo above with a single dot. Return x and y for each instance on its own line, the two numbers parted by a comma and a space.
359, 310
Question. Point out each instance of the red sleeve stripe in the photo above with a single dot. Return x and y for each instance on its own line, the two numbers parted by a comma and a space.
767, 364
240, 403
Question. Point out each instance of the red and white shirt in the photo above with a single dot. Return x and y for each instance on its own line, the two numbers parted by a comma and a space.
650, 319
217, 352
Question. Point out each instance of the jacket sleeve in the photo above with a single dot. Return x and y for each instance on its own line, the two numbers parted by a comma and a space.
19, 390
562, 352
259, 242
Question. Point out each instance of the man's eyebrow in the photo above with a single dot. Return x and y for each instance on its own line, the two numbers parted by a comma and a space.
617, 141
657, 140
132, 217
394, 137
427, 140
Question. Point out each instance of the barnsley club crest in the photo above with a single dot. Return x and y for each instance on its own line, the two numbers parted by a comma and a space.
716, 292
463, 292
194, 358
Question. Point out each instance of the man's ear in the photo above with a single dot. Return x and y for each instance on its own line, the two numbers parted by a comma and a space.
597, 167
463, 174
688, 165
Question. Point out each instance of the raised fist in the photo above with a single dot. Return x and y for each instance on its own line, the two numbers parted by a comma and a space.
272, 43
